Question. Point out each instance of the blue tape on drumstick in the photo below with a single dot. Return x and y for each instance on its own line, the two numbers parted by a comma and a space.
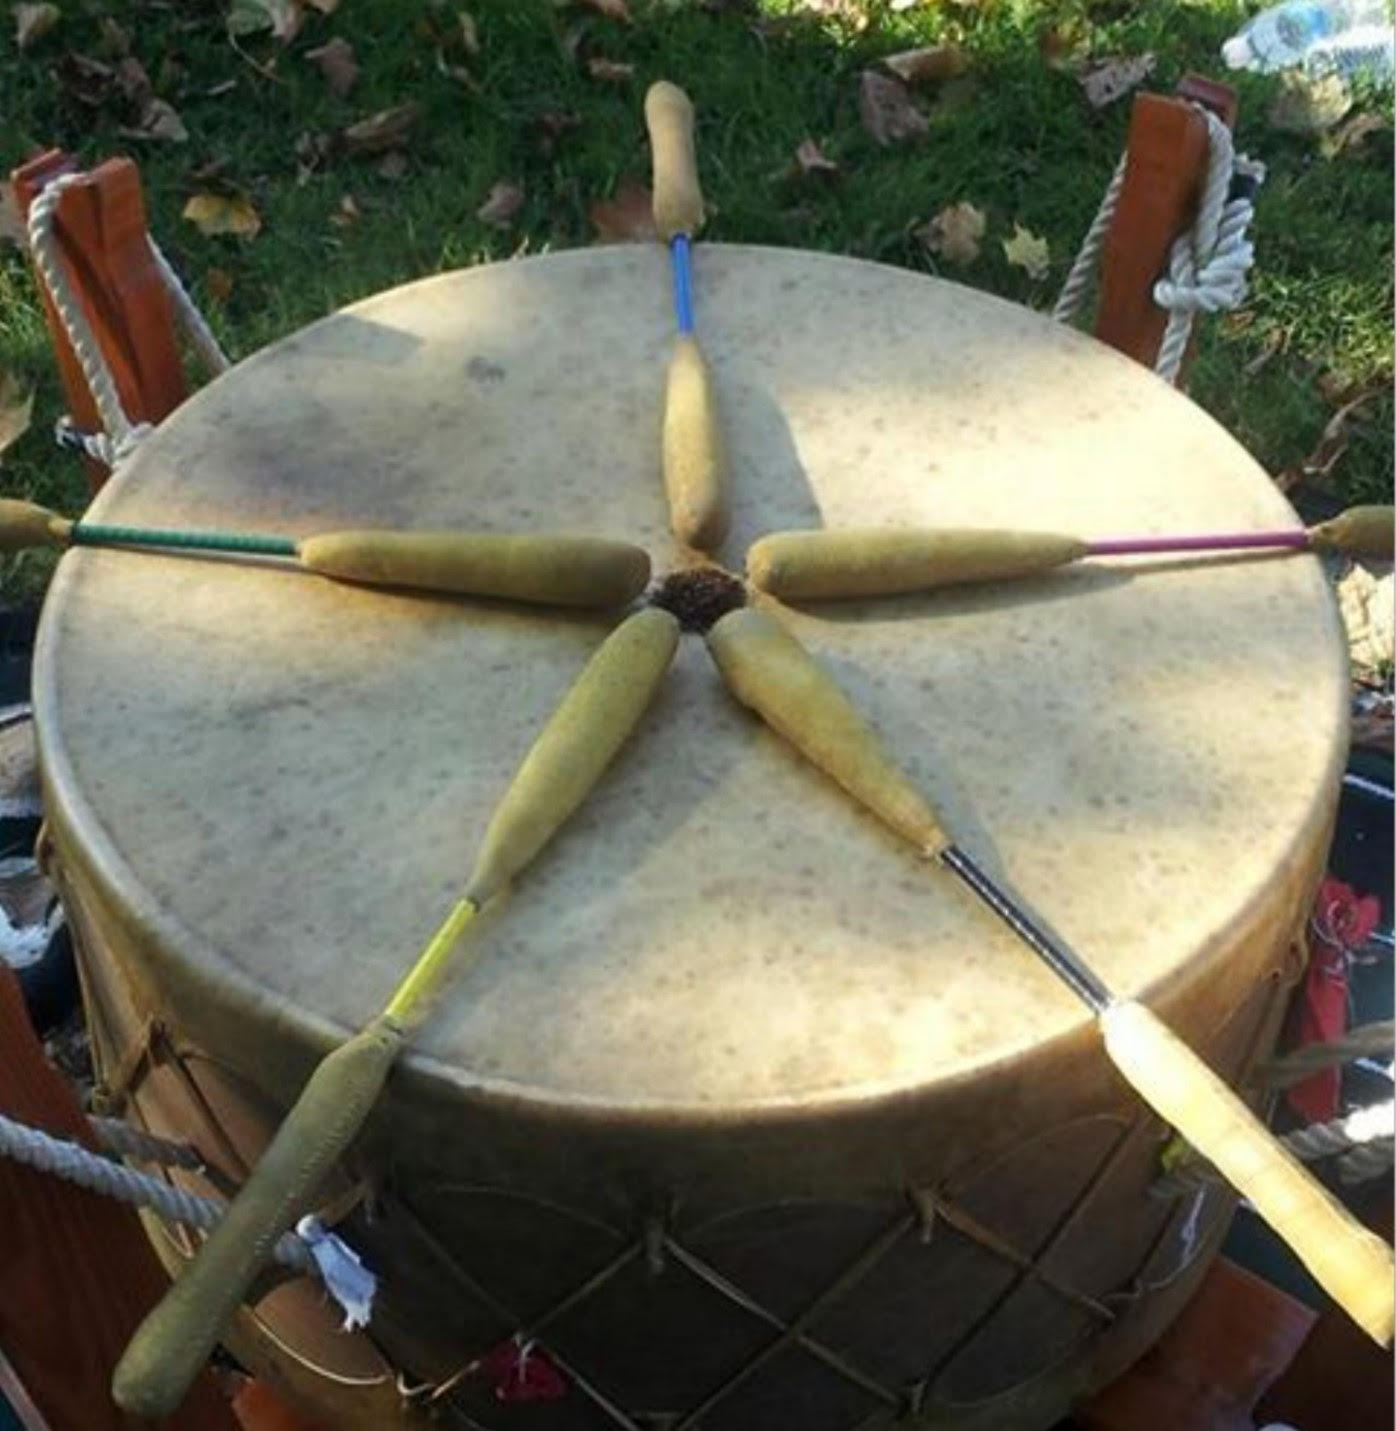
681, 251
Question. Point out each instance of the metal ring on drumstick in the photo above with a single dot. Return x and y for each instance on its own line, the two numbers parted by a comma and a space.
769, 671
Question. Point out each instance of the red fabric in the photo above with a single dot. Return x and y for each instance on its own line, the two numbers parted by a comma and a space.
520, 1371
1341, 921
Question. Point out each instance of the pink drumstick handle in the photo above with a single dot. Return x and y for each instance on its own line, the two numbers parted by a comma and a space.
1294, 539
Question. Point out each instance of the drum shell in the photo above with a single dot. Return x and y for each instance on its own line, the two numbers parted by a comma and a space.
1043, 1159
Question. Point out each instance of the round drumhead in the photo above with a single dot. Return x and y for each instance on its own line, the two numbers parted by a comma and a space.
283, 780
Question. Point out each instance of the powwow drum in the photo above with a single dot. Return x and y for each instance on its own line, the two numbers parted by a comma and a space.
745, 1119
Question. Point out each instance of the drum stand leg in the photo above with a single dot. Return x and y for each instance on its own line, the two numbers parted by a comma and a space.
1166, 167
100, 225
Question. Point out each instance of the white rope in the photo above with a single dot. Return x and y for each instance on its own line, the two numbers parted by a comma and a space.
194, 323
120, 436
119, 1138
1362, 1140
1207, 267
1082, 276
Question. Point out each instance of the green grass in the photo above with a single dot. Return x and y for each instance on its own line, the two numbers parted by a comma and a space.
1022, 145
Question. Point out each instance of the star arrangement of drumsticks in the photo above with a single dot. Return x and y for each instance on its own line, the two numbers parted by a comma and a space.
769, 671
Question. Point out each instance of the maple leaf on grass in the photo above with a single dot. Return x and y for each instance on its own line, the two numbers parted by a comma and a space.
504, 202
627, 218
218, 285
1028, 251
337, 64
812, 160
954, 233
214, 214
887, 110
33, 22
16, 408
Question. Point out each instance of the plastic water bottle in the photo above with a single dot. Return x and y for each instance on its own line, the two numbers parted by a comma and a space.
1349, 37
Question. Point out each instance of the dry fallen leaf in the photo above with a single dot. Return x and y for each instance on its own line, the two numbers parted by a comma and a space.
1027, 251
223, 214
504, 201
611, 9
627, 218
218, 285
88, 81
886, 109
1107, 81
610, 71
812, 160
16, 408
282, 17
1351, 132
133, 82
33, 22
552, 125
1309, 105
392, 166
325, 7
159, 120
469, 33
347, 214
954, 233
337, 64
1332, 444
1064, 44
115, 41
382, 131
459, 73
928, 65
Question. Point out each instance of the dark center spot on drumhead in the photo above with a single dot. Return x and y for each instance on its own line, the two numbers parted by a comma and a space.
484, 371
699, 596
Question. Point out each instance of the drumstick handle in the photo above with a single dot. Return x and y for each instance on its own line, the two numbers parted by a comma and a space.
175, 1339
1353, 1265
678, 200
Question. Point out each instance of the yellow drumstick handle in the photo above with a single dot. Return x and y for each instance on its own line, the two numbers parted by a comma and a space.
553, 570
877, 562
1358, 532
569, 756
175, 1339
678, 200
695, 457
1351, 1264
768, 670
23, 524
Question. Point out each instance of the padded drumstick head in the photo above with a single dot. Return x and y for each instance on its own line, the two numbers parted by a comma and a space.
678, 201
695, 458
816, 566
573, 750
551, 570
767, 669
1358, 532
23, 524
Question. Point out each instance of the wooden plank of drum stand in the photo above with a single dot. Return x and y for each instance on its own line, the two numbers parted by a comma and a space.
78, 1274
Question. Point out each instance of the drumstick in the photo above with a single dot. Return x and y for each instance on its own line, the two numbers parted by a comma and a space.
566, 760
884, 562
695, 462
557, 570
768, 670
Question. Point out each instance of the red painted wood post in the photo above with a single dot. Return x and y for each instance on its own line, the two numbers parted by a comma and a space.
78, 1274
1164, 177
101, 227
